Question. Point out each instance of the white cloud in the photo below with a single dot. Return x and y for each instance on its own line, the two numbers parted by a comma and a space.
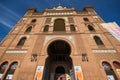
8, 17
9, 11
6, 24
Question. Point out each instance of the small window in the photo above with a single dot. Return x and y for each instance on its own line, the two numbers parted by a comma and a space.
28, 30
72, 28
33, 20
98, 40
91, 28
22, 41
85, 19
46, 28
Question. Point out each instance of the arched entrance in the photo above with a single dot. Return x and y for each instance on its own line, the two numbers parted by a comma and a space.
58, 64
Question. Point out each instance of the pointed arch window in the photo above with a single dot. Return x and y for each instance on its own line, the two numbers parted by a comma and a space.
46, 28
98, 40
72, 28
59, 25
3, 67
28, 30
85, 19
91, 28
10, 71
22, 41
109, 71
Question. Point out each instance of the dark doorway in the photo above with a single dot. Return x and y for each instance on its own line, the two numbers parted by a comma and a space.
58, 63
60, 73
60, 70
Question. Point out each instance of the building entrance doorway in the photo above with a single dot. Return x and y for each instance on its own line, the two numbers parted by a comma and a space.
58, 65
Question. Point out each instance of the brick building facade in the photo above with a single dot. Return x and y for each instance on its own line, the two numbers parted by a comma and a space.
60, 44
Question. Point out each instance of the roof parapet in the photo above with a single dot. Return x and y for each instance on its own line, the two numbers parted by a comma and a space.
32, 10
88, 8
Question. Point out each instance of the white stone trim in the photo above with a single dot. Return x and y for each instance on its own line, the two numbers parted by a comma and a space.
47, 38
16, 51
25, 18
104, 51
58, 13
25, 36
95, 17
92, 35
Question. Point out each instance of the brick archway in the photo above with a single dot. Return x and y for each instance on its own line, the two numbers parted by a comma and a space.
58, 55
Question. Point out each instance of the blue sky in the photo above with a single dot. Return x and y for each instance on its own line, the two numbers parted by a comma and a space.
12, 10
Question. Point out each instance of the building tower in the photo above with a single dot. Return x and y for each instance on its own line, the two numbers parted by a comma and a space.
60, 44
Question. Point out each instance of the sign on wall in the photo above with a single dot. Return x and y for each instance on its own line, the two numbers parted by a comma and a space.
110, 77
39, 73
118, 72
1, 75
113, 28
9, 77
71, 74
78, 73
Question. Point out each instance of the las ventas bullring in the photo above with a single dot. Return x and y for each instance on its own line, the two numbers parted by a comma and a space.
60, 44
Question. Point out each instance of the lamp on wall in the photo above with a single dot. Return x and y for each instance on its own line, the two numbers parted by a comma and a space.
34, 57
84, 57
